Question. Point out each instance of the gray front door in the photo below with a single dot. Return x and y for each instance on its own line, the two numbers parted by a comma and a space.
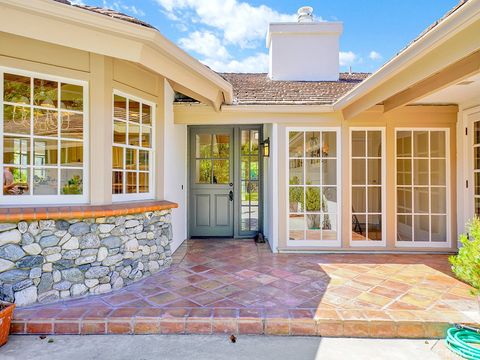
211, 182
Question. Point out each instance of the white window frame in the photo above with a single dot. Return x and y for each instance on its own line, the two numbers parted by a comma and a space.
315, 243
59, 199
370, 243
425, 244
150, 195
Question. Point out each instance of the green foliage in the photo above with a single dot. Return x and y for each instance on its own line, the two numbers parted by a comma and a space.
466, 265
313, 199
74, 186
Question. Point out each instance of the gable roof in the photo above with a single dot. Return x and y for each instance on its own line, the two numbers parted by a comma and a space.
259, 89
459, 18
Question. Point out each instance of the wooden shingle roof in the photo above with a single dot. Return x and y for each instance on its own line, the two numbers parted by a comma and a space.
259, 89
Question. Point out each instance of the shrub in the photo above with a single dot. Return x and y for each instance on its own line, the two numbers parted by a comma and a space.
466, 265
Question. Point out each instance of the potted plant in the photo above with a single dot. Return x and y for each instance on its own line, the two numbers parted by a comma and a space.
6, 315
466, 265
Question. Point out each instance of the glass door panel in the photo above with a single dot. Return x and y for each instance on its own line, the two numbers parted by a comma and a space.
367, 185
249, 180
422, 187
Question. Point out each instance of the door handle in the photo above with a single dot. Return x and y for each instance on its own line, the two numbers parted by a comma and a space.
230, 195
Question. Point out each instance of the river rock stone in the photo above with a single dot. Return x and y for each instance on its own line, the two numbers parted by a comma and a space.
32, 249
105, 228
30, 261
26, 296
11, 252
27, 239
6, 265
78, 289
10, 237
97, 272
35, 273
22, 285
89, 241
79, 229
102, 254
46, 282
62, 285
112, 242
73, 275
50, 240
62, 225
22, 226
71, 244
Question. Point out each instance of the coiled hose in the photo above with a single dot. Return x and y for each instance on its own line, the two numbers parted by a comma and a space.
459, 339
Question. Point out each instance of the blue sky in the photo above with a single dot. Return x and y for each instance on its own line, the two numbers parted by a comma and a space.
229, 35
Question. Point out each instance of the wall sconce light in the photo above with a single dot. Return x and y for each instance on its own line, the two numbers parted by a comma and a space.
266, 147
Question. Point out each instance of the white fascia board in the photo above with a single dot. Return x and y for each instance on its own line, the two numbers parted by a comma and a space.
122, 28
462, 18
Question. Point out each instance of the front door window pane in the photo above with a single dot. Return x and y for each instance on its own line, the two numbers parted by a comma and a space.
212, 165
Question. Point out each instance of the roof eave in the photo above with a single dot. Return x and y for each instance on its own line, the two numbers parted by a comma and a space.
456, 22
122, 28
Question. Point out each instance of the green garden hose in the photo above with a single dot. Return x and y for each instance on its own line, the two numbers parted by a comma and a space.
459, 339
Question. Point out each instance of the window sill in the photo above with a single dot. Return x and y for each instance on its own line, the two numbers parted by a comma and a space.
15, 214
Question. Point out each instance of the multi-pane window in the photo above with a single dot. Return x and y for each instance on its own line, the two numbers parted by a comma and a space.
42, 128
367, 184
132, 154
422, 187
250, 184
313, 191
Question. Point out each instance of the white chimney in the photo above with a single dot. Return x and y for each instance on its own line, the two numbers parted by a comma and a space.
304, 50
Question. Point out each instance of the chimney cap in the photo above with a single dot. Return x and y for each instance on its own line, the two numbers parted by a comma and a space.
305, 14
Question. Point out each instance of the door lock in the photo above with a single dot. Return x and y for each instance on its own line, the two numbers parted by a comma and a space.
230, 195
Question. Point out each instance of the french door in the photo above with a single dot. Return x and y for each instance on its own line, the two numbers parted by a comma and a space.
225, 181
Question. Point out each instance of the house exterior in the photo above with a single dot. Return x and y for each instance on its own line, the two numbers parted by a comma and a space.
105, 122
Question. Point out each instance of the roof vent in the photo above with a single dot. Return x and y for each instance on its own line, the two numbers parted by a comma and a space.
305, 14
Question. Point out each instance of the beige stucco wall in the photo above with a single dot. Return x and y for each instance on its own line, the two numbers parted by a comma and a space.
103, 74
407, 117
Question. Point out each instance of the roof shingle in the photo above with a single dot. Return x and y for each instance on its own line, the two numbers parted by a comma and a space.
259, 89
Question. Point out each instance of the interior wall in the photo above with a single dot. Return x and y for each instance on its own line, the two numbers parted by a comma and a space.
175, 167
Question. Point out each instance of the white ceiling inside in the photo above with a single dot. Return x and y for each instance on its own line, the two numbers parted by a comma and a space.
455, 94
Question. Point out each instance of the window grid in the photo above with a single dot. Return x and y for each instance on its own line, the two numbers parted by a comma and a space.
137, 150
368, 187
59, 111
250, 181
324, 215
410, 188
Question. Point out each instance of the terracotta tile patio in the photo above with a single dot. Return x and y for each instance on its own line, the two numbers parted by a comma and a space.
236, 286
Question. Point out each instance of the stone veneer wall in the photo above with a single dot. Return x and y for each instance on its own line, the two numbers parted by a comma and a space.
46, 260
